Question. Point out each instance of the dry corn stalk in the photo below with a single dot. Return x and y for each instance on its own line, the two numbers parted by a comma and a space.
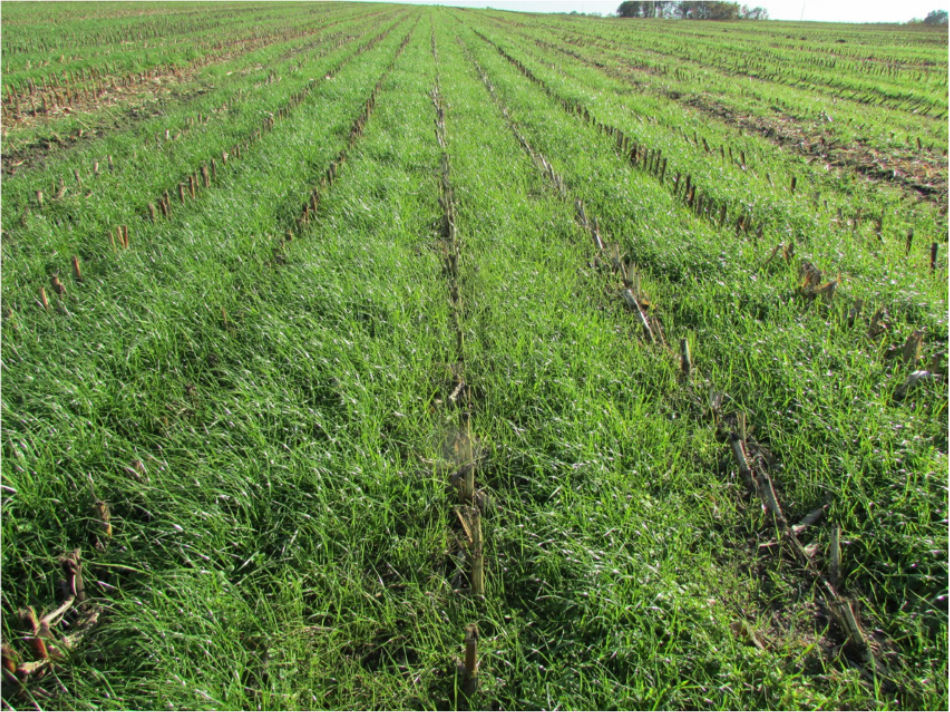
58, 286
46, 645
840, 608
470, 664
912, 347
686, 361
104, 517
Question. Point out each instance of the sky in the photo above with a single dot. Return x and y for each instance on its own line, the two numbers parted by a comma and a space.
818, 10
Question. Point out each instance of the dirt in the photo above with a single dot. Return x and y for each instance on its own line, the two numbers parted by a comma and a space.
923, 172
56, 107
32, 107
133, 107
136, 98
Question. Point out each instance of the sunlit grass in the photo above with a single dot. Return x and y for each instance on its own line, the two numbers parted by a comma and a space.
268, 417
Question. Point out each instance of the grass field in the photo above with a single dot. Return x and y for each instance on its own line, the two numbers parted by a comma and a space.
366, 356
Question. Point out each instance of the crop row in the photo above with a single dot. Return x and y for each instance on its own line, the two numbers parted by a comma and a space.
53, 96
874, 327
246, 83
573, 571
791, 135
705, 201
304, 521
101, 215
800, 215
238, 96
711, 53
356, 131
221, 90
756, 477
113, 61
379, 387
653, 162
208, 170
671, 77
808, 284
105, 28
640, 304
467, 532
916, 172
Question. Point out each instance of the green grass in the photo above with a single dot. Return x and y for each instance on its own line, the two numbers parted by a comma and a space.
270, 420
201, 84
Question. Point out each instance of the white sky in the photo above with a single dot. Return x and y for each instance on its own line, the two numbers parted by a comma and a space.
820, 10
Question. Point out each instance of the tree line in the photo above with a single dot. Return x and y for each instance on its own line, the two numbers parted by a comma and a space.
935, 17
691, 10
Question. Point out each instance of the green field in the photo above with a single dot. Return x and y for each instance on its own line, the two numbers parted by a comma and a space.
366, 356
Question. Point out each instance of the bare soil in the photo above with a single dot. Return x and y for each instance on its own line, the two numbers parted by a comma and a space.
921, 171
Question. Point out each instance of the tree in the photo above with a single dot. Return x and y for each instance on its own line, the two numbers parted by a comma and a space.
630, 8
754, 13
723, 11
706, 10
636, 8
690, 10
646, 8
936, 17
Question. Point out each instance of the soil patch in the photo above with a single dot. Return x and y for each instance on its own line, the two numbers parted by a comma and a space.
923, 172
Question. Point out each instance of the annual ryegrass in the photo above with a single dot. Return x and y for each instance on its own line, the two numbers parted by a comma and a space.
269, 422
